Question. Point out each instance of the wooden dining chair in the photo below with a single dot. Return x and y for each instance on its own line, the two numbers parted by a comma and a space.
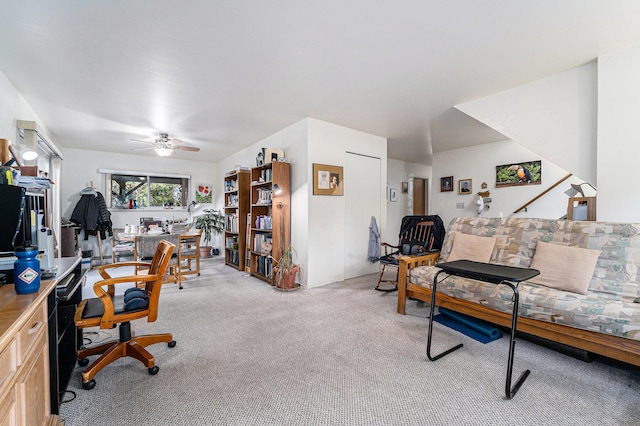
190, 251
109, 310
145, 247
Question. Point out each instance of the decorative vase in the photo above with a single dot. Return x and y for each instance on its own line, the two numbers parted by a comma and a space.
205, 251
286, 279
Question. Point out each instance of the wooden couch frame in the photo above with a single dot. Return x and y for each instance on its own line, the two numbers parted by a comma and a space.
619, 348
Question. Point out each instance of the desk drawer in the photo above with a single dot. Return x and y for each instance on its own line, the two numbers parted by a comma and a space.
8, 363
31, 331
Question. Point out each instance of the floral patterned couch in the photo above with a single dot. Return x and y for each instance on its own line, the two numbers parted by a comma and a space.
605, 320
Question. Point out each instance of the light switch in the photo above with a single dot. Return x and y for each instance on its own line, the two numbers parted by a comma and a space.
460, 205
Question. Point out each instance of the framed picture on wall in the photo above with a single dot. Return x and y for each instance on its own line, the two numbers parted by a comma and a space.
393, 194
527, 173
405, 187
446, 184
327, 180
203, 193
464, 186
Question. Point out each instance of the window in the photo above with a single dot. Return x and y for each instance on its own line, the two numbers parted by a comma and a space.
146, 190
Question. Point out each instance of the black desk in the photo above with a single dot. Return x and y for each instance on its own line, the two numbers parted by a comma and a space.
64, 337
496, 274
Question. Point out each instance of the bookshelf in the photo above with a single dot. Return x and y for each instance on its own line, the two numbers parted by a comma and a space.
236, 207
270, 217
247, 246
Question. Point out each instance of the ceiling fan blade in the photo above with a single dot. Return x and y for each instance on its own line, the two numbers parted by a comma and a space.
143, 149
175, 141
141, 141
187, 148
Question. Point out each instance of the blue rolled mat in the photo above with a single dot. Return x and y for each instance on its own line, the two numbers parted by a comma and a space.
472, 327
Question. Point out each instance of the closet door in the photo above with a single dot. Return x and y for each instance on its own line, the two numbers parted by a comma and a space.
362, 200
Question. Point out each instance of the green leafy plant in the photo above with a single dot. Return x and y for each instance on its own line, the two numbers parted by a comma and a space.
211, 222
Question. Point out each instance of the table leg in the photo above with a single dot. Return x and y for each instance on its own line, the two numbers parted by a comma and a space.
433, 306
509, 391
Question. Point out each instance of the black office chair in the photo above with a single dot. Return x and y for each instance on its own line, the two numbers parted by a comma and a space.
418, 234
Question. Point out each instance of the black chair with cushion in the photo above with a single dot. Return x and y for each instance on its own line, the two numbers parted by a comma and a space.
418, 235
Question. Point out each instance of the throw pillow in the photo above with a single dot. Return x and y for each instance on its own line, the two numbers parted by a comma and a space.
563, 267
471, 247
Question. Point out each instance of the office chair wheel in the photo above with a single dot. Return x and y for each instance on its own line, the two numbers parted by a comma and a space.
172, 344
154, 370
89, 385
83, 362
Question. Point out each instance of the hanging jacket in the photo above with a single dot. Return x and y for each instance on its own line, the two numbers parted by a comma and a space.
374, 242
92, 214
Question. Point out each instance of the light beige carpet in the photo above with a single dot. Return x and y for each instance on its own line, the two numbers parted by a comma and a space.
336, 355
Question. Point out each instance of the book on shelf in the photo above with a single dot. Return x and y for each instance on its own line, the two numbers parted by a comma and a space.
263, 222
232, 200
264, 196
231, 242
231, 222
262, 243
230, 185
265, 266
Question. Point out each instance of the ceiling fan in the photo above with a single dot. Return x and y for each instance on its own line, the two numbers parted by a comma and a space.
164, 146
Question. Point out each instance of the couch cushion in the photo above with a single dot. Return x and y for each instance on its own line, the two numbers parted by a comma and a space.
564, 267
471, 247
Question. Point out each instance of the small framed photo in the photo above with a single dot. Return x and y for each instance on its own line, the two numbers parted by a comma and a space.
393, 194
446, 184
327, 180
464, 186
405, 187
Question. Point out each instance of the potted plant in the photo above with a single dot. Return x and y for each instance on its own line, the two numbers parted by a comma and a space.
286, 271
211, 222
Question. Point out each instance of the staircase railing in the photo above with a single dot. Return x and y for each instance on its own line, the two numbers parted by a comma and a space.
528, 203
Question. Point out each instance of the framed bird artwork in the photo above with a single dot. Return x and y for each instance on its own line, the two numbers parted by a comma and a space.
514, 174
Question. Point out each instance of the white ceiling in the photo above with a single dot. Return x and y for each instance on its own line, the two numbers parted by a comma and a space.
222, 75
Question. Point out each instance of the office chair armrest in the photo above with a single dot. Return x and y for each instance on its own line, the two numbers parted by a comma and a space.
102, 270
105, 275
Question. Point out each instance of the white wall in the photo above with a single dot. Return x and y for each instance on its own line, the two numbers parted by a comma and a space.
13, 107
618, 135
80, 168
398, 172
555, 117
328, 144
478, 163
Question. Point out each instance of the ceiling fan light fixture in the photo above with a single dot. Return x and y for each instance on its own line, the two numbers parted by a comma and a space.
163, 152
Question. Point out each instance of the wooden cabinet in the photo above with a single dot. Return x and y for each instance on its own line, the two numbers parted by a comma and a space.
69, 241
581, 208
24, 357
270, 216
236, 207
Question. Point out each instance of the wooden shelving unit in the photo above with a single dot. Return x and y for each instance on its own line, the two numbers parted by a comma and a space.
236, 207
270, 217
247, 246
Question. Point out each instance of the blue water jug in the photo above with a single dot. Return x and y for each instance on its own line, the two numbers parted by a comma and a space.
26, 270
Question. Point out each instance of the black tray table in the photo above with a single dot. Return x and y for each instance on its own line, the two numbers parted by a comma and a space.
496, 274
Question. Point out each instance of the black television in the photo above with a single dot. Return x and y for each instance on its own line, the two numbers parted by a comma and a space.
11, 208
